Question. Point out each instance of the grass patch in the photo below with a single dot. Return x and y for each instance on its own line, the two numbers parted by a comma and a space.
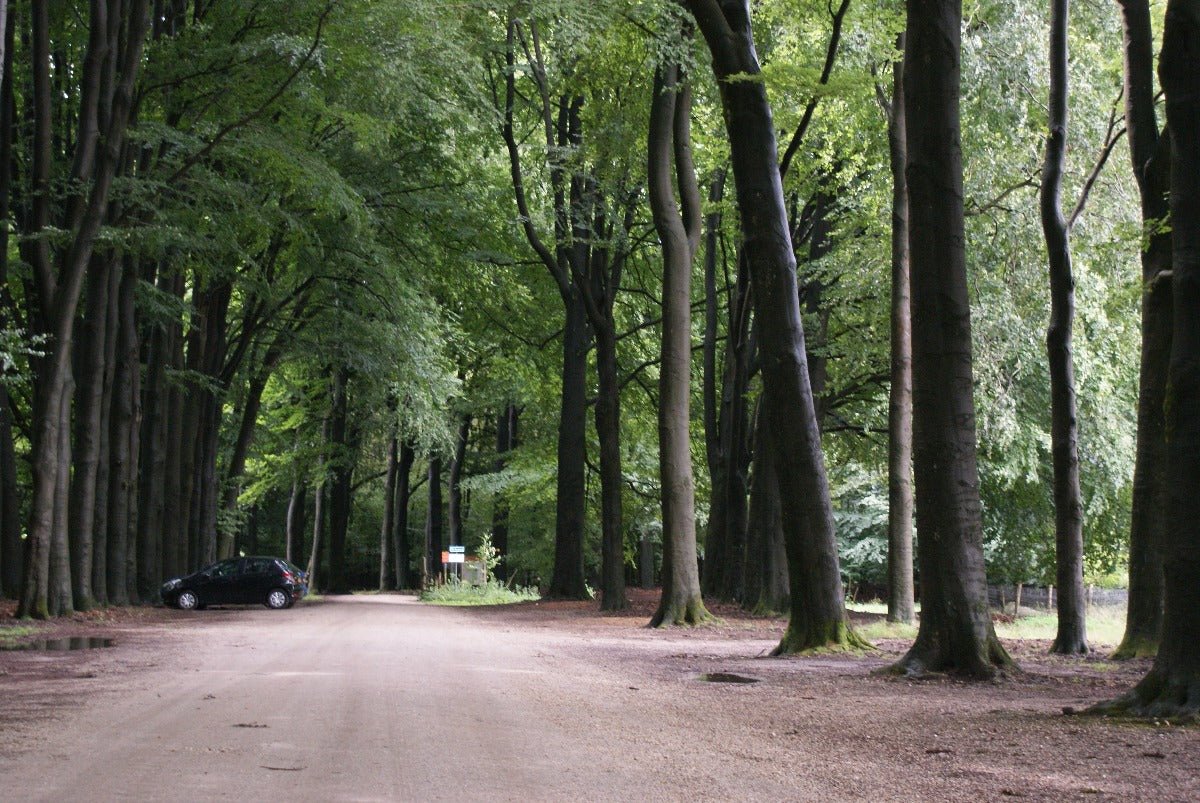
11, 634
1105, 626
883, 629
493, 593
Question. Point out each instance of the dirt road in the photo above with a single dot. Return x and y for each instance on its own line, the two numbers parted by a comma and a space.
384, 699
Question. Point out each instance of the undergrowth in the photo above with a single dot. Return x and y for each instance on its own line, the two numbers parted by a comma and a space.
490, 593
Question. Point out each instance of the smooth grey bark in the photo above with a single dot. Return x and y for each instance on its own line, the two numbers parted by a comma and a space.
1150, 155
901, 592
818, 617
956, 630
678, 227
1071, 638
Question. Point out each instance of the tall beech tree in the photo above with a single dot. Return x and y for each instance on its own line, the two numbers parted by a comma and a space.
901, 594
818, 616
956, 629
1150, 154
678, 226
1172, 686
1071, 638
58, 278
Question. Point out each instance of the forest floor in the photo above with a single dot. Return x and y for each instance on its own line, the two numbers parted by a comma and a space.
378, 697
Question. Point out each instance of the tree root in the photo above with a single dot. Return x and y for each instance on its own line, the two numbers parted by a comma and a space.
1135, 647
1174, 696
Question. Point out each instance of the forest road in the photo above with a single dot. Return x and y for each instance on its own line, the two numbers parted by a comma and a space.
366, 698
382, 698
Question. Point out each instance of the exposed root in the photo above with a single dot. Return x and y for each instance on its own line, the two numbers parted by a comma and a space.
1160, 695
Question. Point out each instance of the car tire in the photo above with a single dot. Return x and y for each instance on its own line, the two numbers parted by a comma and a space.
187, 601
278, 599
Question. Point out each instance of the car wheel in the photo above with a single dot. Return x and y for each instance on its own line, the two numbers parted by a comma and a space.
187, 601
277, 598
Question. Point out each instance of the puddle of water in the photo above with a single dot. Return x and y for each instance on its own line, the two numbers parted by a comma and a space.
61, 644
725, 677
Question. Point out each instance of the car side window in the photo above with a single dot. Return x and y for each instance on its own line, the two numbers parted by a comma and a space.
257, 565
225, 569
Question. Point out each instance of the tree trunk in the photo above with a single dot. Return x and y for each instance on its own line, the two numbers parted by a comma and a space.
10, 498
105, 457
433, 525
901, 602
1172, 687
608, 430
341, 439
1150, 154
60, 601
319, 514
403, 550
567, 580
295, 520
818, 616
767, 589
715, 532
121, 475
387, 536
506, 441
956, 630
679, 232
454, 488
1071, 638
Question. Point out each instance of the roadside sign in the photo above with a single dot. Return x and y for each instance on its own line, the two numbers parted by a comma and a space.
457, 549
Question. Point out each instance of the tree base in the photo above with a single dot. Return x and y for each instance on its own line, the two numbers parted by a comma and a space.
1160, 695
989, 663
1070, 646
1135, 647
616, 603
821, 637
690, 612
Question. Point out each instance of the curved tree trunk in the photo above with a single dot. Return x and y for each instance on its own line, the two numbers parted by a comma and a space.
956, 630
1150, 155
818, 615
901, 601
679, 232
295, 520
1071, 638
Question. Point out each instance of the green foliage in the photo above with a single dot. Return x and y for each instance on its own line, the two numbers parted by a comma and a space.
493, 592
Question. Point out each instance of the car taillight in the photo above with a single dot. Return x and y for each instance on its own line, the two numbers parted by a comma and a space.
288, 577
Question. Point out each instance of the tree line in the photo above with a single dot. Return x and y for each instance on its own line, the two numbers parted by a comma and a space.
268, 271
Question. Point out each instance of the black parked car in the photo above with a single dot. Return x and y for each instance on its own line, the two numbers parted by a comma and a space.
270, 581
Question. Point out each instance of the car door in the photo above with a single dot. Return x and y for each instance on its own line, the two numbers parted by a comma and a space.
222, 583
256, 579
